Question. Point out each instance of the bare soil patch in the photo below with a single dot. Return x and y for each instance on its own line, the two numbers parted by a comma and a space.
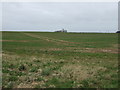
14, 41
19, 40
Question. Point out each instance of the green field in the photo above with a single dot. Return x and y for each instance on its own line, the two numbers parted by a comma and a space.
59, 60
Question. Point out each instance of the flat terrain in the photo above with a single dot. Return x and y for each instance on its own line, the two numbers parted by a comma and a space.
59, 60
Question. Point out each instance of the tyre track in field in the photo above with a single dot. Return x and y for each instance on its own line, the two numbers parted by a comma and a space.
51, 39
57, 41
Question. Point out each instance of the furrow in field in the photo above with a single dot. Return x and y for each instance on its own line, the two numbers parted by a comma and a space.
50, 39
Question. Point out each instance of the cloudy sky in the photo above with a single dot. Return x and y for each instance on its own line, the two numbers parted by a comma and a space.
51, 16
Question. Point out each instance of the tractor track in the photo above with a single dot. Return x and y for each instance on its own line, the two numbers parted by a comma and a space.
51, 39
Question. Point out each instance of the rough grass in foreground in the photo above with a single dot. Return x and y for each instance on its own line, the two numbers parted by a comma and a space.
59, 60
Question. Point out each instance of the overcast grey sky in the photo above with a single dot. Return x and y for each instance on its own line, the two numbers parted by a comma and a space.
51, 16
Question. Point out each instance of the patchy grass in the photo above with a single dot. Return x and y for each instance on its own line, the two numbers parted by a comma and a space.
59, 60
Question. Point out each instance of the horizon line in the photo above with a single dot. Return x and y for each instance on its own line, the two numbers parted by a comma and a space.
67, 31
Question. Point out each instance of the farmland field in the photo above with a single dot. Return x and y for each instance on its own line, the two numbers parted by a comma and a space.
59, 60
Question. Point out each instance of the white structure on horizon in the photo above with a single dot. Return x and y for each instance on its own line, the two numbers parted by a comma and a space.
61, 30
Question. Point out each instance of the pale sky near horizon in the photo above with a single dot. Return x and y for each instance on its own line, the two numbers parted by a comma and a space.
51, 16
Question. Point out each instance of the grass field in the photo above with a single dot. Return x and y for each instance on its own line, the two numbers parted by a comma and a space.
59, 60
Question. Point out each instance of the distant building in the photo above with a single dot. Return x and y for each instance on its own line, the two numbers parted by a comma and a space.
61, 30
118, 32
